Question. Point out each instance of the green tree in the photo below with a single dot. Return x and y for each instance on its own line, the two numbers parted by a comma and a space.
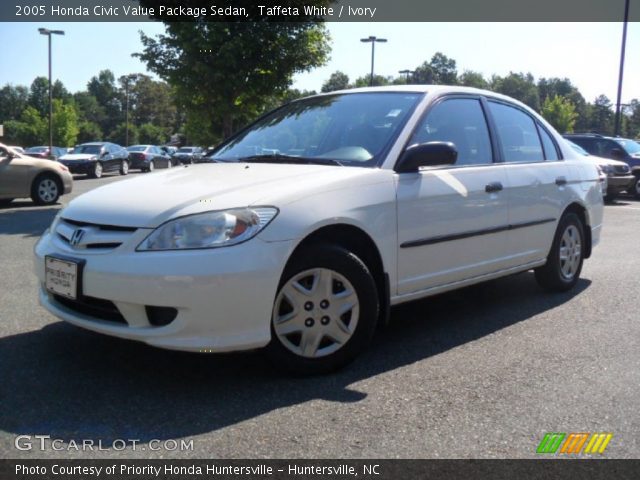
633, 125
151, 101
519, 86
119, 134
440, 70
39, 95
30, 130
378, 80
88, 132
103, 87
601, 116
13, 101
60, 92
559, 112
337, 81
153, 134
64, 123
550, 87
228, 71
88, 108
473, 79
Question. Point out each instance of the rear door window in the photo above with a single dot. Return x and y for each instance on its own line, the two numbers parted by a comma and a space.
518, 134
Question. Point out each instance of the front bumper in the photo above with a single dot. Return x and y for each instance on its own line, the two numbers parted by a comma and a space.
223, 296
67, 182
82, 167
619, 183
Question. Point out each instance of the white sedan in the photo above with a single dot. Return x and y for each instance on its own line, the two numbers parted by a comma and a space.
317, 218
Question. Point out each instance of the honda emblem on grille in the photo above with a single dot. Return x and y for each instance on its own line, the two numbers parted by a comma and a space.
76, 237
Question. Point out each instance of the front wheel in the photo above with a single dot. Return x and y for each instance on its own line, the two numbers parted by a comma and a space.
45, 190
97, 170
325, 311
564, 263
636, 187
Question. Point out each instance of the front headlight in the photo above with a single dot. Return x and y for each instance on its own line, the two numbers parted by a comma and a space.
606, 168
209, 230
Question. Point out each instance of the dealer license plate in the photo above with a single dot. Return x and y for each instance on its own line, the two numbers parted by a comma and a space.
61, 277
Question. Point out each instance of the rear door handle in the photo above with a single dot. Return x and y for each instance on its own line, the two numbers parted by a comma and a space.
493, 187
561, 181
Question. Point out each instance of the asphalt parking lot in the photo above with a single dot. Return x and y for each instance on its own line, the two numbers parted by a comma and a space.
483, 372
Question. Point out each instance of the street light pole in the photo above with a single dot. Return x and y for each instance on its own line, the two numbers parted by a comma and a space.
372, 39
48, 33
622, 50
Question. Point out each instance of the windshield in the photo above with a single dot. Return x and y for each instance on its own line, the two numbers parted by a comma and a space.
137, 148
630, 146
91, 149
578, 148
344, 129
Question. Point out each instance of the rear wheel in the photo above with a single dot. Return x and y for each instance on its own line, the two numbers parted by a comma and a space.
325, 311
124, 167
151, 167
45, 189
564, 263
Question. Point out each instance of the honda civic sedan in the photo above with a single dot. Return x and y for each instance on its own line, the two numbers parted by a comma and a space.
320, 216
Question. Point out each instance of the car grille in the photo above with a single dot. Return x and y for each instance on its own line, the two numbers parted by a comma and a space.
93, 307
83, 235
621, 169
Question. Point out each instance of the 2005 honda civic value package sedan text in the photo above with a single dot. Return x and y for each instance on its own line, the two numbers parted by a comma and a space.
311, 222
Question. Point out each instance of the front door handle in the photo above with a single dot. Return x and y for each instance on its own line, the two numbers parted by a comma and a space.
561, 181
493, 187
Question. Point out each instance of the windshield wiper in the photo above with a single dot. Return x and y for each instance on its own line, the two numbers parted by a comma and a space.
280, 158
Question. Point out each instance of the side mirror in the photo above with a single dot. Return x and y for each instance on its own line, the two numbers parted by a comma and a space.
617, 153
427, 155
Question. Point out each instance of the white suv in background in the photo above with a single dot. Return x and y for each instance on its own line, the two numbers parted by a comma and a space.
317, 218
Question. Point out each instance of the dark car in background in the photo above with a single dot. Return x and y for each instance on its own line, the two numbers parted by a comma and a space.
148, 157
43, 152
188, 154
95, 158
616, 148
617, 174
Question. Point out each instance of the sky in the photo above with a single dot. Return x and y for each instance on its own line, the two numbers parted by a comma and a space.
586, 53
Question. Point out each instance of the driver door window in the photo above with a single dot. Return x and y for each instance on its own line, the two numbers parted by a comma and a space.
460, 121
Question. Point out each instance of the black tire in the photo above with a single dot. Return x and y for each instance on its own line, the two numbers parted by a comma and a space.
151, 166
341, 263
609, 198
46, 189
124, 167
97, 171
553, 275
635, 190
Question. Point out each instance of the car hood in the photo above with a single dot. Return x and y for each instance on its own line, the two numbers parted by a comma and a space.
78, 156
151, 199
